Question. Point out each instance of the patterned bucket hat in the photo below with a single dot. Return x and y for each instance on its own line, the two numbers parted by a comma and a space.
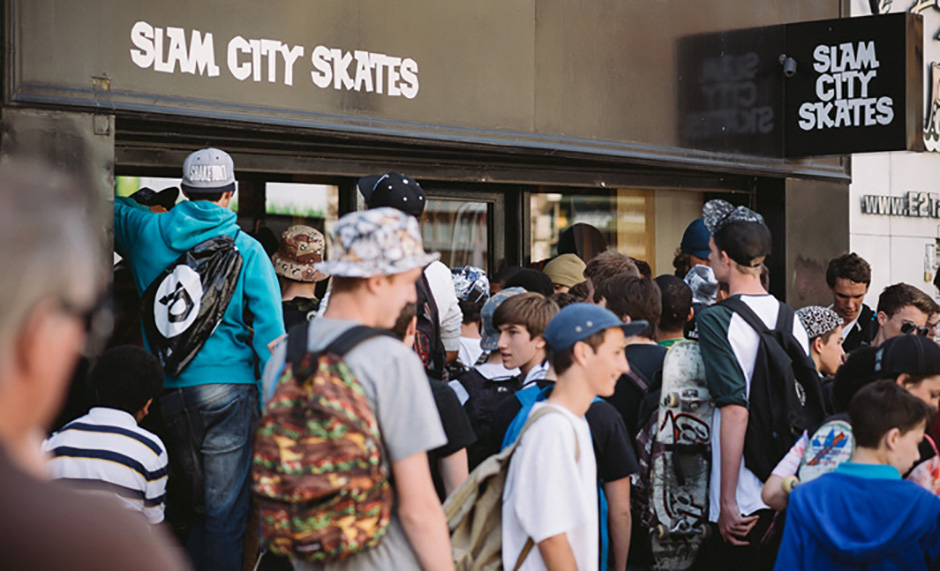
377, 242
470, 284
301, 247
719, 213
818, 320
490, 333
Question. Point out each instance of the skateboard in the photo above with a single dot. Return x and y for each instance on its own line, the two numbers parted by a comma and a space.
832, 444
681, 460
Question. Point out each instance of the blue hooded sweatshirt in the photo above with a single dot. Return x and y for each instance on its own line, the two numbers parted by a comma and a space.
861, 516
151, 242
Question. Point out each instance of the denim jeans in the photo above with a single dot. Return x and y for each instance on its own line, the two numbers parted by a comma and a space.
209, 431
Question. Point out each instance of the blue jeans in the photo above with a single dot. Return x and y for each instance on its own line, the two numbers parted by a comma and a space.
209, 432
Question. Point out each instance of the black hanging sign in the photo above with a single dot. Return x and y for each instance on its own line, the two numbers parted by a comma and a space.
857, 85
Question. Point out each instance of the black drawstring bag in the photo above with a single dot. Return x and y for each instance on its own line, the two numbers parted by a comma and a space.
182, 307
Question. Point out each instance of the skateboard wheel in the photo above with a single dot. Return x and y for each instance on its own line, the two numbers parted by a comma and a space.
671, 400
789, 483
705, 530
660, 531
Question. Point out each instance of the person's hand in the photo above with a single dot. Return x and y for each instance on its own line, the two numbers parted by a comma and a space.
733, 526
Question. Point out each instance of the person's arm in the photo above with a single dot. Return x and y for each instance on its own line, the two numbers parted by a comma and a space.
619, 520
128, 218
454, 470
448, 308
263, 301
732, 525
557, 554
772, 493
420, 513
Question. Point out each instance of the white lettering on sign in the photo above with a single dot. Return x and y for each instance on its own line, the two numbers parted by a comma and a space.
843, 89
167, 50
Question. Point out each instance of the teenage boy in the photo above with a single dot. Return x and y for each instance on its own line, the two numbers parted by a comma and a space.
740, 241
555, 458
106, 451
521, 320
824, 328
902, 310
301, 247
863, 515
565, 271
848, 277
604, 266
676, 296
377, 257
210, 408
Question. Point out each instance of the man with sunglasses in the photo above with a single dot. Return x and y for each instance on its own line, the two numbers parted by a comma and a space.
46, 313
902, 310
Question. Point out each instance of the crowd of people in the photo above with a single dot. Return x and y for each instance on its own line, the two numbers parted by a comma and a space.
335, 429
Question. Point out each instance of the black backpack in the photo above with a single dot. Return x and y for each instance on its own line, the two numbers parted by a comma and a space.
785, 397
428, 344
182, 307
484, 396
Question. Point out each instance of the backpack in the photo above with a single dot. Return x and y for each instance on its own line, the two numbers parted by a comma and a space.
785, 396
428, 344
182, 307
483, 396
474, 510
312, 505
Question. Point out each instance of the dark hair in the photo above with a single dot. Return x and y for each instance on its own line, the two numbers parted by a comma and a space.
125, 378
564, 299
580, 291
676, 296
898, 296
851, 267
637, 297
504, 274
562, 360
857, 371
404, 318
880, 406
582, 240
644, 268
471, 311
607, 265
765, 277
682, 262
531, 281
346, 284
531, 310
207, 196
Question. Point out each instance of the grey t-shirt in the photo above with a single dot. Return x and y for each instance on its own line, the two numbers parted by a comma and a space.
396, 385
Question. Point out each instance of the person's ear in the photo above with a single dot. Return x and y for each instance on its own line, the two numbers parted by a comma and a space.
691, 315
817, 344
902, 379
891, 438
882, 318
539, 342
146, 408
580, 351
376, 284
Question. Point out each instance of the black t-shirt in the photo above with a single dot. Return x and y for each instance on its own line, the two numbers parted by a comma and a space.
647, 362
298, 310
613, 450
456, 427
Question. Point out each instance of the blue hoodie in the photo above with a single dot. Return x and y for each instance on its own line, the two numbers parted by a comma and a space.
151, 242
861, 517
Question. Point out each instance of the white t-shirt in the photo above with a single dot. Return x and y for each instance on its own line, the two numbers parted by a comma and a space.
548, 493
469, 352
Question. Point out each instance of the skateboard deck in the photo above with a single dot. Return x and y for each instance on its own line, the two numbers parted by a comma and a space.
681, 459
832, 444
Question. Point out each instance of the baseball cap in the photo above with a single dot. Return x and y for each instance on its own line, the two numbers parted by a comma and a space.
566, 270
395, 190
695, 239
703, 283
301, 247
165, 198
578, 321
818, 320
490, 336
208, 171
738, 231
470, 284
911, 354
382, 241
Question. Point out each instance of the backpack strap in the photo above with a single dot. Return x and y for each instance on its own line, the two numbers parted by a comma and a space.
297, 344
738, 306
299, 335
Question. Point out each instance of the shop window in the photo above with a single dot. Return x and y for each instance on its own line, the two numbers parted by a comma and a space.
287, 204
458, 230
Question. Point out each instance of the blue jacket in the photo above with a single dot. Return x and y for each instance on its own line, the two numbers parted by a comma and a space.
151, 242
861, 517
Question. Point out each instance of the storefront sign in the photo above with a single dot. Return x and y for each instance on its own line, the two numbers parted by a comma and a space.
912, 204
857, 85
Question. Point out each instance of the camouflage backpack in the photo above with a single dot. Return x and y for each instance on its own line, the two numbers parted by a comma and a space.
318, 471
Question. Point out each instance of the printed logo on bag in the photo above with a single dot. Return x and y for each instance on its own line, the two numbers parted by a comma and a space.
177, 301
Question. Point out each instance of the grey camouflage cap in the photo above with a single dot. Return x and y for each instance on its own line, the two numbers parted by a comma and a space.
718, 213
818, 320
490, 333
377, 242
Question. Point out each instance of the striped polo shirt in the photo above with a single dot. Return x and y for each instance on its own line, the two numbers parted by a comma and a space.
106, 452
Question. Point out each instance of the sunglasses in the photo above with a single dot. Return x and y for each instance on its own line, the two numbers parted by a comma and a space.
97, 321
908, 328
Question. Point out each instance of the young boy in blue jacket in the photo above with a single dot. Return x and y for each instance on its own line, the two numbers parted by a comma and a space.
211, 407
863, 515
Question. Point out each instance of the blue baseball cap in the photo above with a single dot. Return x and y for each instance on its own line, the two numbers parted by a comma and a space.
490, 333
695, 239
578, 321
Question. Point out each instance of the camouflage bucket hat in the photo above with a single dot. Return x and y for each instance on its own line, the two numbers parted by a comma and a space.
377, 242
490, 333
301, 247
